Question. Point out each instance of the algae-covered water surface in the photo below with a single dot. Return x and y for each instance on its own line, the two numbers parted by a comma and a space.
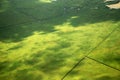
59, 40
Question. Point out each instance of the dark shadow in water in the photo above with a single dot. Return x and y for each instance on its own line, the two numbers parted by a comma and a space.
3, 65
40, 16
108, 78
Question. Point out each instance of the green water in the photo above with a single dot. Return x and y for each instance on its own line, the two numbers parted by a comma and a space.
44, 39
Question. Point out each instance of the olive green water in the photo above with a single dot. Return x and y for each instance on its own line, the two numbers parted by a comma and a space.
44, 39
